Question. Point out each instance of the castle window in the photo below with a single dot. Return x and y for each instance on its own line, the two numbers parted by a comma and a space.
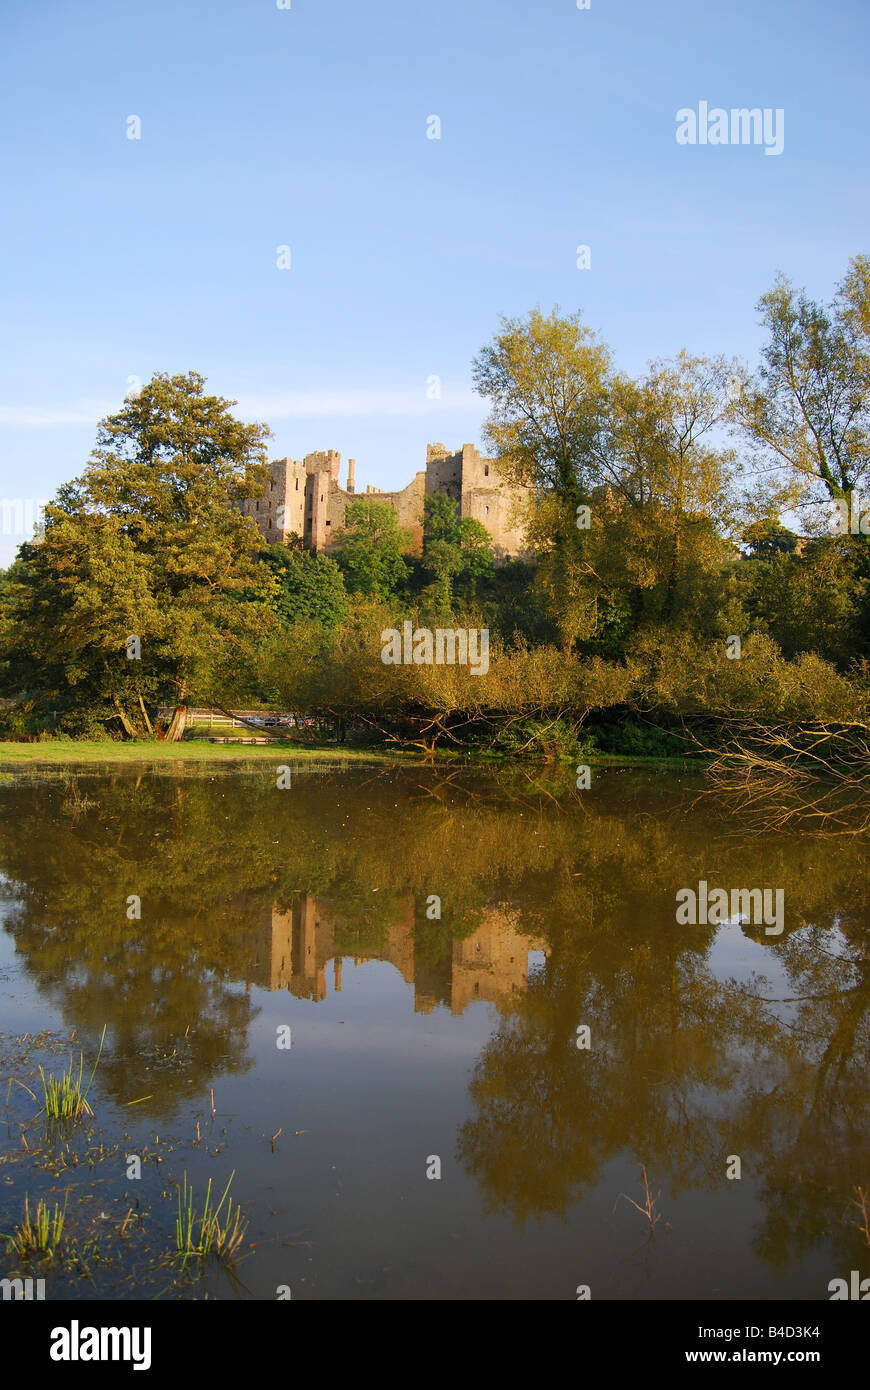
486, 511
329, 523
486, 470
297, 484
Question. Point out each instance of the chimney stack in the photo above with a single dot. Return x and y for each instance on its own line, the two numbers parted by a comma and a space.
350, 483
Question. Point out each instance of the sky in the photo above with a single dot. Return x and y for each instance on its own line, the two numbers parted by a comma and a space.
308, 127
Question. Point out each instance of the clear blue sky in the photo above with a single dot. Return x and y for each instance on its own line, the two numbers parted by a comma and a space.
306, 127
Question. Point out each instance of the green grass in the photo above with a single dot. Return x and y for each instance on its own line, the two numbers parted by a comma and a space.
63, 1097
198, 1236
71, 752
39, 1234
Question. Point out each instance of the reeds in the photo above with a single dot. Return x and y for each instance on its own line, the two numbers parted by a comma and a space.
209, 1234
649, 1207
63, 1097
39, 1234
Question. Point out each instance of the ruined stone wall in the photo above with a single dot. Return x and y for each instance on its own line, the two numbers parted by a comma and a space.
306, 498
281, 509
408, 502
444, 471
321, 475
497, 505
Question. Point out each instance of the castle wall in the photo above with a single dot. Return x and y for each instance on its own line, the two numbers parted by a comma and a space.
408, 503
306, 498
282, 508
321, 475
494, 503
444, 471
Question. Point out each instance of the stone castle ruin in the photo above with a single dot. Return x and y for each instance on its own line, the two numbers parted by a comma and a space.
305, 497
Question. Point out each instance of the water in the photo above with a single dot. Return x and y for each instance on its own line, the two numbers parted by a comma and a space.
416, 1038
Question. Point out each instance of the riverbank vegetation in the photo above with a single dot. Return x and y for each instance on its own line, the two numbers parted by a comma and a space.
698, 566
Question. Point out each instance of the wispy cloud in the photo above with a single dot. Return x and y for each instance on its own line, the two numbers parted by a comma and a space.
47, 417
279, 405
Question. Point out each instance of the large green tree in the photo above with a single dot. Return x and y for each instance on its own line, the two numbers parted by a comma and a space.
667, 477
310, 586
149, 543
806, 410
545, 378
456, 549
373, 546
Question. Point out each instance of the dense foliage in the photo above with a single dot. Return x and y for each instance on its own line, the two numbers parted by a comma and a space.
669, 516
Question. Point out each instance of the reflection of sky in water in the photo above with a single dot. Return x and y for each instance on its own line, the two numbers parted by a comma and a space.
734, 954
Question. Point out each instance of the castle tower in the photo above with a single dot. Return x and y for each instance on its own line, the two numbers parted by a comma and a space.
321, 470
280, 510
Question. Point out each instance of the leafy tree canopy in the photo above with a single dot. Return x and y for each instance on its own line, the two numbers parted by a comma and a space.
148, 543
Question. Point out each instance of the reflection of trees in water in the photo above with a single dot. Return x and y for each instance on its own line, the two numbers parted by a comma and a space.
208, 857
767, 801
684, 1069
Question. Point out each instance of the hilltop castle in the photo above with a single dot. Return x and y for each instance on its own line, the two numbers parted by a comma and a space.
305, 497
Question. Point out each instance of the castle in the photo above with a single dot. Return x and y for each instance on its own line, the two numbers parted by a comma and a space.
305, 497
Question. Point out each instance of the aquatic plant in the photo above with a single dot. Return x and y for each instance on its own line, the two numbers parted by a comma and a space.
63, 1098
40, 1233
198, 1236
649, 1207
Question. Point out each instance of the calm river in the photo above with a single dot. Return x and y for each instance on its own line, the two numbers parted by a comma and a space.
439, 1026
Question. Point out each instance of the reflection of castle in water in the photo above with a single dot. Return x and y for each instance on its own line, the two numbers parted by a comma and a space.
295, 948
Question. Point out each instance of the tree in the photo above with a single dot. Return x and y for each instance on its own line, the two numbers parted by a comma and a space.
666, 460
456, 550
148, 543
807, 603
770, 537
545, 378
310, 586
807, 408
372, 549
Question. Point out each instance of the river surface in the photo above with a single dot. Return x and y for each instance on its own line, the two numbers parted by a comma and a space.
439, 1027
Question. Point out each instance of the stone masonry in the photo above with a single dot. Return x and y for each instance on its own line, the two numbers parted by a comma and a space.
306, 498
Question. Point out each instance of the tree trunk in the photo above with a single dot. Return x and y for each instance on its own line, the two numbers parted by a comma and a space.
145, 717
125, 722
176, 728
671, 593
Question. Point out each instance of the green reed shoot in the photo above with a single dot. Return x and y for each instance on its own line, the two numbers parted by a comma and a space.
40, 1233
63, 1098
197, 1236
